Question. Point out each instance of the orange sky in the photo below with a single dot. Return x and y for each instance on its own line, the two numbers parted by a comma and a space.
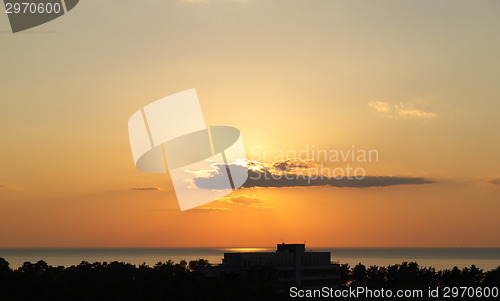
287, 74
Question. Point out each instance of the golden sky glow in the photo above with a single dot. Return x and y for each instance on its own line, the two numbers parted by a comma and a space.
415, 80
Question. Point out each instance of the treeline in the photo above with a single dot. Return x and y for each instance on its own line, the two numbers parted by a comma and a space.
409, 275
123, 281
182, 281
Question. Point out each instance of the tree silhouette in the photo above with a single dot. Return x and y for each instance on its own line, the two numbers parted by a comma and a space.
182, 281
359, 275
194, 265
345, 275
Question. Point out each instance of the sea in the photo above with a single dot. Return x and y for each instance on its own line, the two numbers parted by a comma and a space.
439, 258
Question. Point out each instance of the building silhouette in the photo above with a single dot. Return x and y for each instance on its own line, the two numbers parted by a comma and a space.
289, 264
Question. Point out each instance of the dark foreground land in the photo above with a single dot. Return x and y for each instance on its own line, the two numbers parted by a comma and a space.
182, 281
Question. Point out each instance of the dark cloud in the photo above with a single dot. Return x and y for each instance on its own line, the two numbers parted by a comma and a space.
276, 177
266, 179
152, 188
289, 165
495, 181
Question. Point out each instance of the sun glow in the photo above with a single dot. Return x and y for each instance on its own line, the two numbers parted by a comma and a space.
247, 249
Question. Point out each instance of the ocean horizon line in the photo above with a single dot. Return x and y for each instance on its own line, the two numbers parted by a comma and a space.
438, 257
228, 247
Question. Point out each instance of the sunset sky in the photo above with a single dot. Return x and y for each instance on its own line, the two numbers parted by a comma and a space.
417, 81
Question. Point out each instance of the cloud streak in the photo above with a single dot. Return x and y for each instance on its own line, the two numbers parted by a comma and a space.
407, 112
287, 174
206, 210
495, 181
380, 106
247, 201
400, 110
151, 188
233, 202
259, 180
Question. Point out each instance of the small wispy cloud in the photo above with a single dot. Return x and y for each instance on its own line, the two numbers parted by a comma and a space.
207, 210
380, 106
151, 188
2, 186
247, 200
409, 112
400, 110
